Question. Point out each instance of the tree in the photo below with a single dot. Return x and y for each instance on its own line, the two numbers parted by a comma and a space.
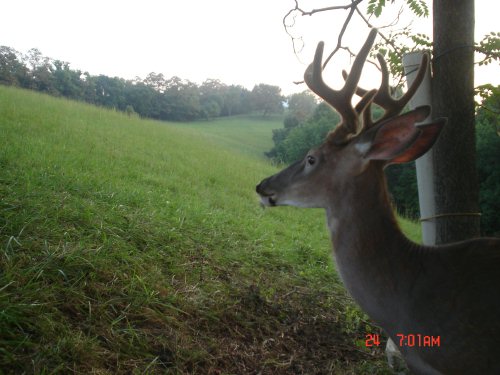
110, 92
12, 70
182, 99
143, 99
454, 155
300, 107
67, 82
212, 98
41, 71
267, 99
155, 81
232, 100
88, 88
236, 101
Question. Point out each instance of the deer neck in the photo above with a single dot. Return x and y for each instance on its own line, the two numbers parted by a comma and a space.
371, 252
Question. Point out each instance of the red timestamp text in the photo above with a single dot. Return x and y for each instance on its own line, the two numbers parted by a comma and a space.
418, 340
406, 340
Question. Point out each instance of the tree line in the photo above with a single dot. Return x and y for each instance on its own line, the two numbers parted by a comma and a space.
307, 123
156, 96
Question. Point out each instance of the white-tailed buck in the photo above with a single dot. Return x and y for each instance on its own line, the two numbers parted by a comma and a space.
445, 300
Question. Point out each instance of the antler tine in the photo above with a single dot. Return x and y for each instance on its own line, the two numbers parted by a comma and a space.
384, 98
313, 77
339, 99
352, 80
422, 69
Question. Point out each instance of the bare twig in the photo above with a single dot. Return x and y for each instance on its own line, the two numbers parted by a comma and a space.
354, 3
287, 26
353, 7
385, 38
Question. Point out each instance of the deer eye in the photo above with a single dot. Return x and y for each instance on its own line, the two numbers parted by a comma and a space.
311, 160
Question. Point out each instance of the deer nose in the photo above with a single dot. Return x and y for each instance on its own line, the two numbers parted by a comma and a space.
261, 188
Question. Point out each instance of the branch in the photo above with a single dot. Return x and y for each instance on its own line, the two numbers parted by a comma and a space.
353, 6
386, 39
395, 50
292, 25
488, 55
354, 3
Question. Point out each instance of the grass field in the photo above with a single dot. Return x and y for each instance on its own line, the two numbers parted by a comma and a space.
135, 246
247, 135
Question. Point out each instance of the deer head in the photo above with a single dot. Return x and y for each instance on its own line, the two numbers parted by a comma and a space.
357, 144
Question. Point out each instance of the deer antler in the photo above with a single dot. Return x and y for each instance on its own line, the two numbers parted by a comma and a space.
383, 97
341, 99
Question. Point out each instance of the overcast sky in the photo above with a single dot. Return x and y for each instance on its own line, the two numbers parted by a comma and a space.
238, 42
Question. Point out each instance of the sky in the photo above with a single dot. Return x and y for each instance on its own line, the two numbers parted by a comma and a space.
236, 41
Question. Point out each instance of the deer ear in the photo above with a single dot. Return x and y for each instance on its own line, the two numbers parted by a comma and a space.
429, 133
398, 140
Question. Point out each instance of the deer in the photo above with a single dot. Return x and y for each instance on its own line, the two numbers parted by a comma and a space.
450, 292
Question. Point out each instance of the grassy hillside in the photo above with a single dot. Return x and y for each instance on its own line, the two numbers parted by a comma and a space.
134, 246
249, 135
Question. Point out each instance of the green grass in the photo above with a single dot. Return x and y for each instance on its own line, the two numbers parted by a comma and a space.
248, 135
135, 246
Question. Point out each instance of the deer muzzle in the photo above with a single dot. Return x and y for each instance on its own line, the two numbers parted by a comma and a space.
267, 196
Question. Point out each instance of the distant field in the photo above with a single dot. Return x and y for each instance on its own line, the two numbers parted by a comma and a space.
251, 135
135, 246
